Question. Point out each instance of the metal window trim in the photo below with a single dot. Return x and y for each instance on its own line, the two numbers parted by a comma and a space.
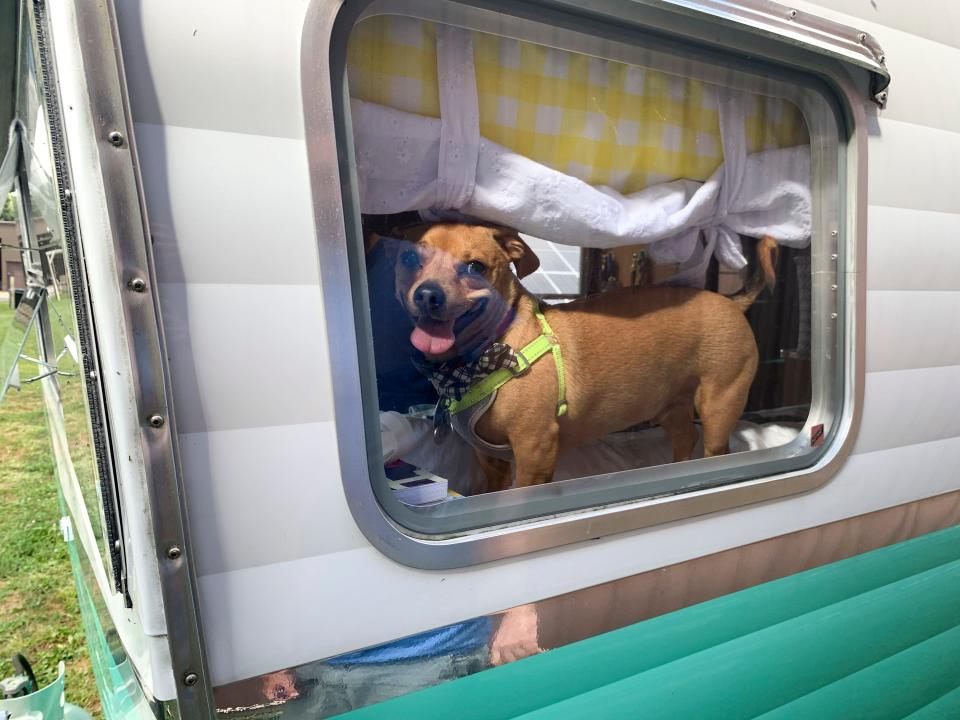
764, 18
613, 41
127, 234
334, 209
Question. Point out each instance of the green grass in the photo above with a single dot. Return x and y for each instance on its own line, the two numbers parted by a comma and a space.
39, 615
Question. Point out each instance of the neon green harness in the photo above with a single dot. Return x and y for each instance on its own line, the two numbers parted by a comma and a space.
544, 343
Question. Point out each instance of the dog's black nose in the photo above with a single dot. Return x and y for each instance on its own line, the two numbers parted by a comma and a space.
429, 298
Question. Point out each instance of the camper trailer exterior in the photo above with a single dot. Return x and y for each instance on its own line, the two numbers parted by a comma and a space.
196, 163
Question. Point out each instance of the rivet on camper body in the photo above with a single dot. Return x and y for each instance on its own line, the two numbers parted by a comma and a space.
137, 285
174, 552
156, 421
190, 679
862, 38
115, 138
793, 14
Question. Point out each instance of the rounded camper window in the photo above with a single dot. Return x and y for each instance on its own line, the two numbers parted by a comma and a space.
592, 270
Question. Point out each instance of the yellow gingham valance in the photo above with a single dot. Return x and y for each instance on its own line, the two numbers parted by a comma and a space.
604, 122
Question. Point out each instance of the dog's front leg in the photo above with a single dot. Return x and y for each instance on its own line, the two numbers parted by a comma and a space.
497, 471
535, 454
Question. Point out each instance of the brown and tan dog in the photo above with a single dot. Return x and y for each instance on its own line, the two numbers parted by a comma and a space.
631, 355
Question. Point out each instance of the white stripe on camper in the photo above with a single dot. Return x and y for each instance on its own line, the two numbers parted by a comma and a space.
912, 166
935, 20
229, 65
228, 208
917, 94
265, 495
904, 407
912, 329
246, 356
912, 249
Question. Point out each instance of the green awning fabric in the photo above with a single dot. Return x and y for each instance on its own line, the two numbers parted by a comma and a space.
873, 636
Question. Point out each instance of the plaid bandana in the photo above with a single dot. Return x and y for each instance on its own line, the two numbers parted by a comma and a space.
453, 378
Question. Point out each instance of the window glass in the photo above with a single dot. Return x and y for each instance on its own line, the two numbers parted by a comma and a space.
16, 333
63, 353
62, 346
596, 271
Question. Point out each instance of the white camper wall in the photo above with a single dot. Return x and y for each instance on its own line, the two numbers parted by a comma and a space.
285, 575
913, 266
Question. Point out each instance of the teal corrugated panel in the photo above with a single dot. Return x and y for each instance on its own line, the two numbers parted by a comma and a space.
889, 690
763, 670
944, 708
711, 629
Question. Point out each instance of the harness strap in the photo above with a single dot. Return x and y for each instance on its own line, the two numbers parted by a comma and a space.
558, 364
533, 351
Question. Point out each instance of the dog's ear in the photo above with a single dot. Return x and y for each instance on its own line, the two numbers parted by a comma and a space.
520, 254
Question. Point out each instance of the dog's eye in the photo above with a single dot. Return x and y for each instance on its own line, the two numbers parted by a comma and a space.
474, 267
410, 259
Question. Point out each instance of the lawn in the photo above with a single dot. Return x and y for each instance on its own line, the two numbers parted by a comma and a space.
39, 615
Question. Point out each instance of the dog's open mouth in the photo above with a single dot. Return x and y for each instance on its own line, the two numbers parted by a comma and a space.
436, 337
433, 337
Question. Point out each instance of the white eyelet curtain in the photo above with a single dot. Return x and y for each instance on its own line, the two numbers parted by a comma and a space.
446, 170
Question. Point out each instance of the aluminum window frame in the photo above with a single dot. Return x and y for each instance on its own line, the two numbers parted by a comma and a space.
394, 529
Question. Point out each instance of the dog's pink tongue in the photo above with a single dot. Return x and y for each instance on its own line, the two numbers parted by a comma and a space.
433, 338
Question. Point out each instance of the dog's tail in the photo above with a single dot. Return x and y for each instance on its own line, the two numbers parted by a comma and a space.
764, 274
